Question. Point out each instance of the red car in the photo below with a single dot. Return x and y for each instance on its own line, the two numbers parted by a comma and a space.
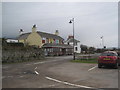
109, 58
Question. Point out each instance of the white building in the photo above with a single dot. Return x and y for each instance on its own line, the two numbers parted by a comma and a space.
69, 41
11, 40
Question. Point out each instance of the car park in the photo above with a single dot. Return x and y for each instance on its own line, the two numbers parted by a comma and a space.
109, 58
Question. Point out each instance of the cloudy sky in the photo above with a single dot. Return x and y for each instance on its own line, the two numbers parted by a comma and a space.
92, 20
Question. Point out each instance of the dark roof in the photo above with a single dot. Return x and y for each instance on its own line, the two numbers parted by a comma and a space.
23, 36
42, 34
47, 45
71, 40
48, 35
12, 38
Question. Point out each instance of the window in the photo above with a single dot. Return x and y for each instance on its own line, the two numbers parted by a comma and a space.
60, 49
47, 40
76, 48
43, 41
57, 41
48, 50
66, 49
44, 49
76, 43
51, 49
53, 40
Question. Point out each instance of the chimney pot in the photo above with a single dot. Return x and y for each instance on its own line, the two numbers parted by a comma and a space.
21, 31
34, 28
56, 32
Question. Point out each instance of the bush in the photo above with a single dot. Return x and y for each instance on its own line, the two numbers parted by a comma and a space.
21, 54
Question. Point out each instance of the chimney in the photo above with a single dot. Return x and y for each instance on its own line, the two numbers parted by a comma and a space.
34, 28
57, 32
21, 31
70, 36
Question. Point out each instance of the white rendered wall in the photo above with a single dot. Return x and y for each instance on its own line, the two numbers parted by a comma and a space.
11, 40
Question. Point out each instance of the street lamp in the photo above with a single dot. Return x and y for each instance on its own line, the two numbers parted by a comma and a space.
102, 41
72, 21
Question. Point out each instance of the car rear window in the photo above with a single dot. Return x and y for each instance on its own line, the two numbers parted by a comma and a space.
108, 54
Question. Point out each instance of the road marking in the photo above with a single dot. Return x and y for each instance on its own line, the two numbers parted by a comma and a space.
92, 68
10, 76
20, 76
36, 68
39, 62
36, 72
51, 85
44, 62
28, 64
67, 83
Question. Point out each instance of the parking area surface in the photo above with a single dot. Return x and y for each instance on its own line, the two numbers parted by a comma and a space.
58, 72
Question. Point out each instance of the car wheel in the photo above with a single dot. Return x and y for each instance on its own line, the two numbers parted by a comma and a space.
116, 66
99, 65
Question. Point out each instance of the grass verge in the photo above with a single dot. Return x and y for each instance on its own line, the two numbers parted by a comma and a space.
85, 60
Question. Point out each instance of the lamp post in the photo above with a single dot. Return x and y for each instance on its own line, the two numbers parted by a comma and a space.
72, 21
102, 41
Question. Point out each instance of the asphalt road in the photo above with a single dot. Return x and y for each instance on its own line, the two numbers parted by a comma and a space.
58, 72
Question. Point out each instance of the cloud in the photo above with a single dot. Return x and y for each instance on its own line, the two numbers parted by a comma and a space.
92, 20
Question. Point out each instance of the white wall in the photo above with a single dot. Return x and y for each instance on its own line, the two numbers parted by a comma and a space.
11, 40
78, 47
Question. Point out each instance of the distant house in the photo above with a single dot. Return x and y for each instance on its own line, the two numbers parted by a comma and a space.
57, 49
11, 40
38, 38
70, 40
52, 43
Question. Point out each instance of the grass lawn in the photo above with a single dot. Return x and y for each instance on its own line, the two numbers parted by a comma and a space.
85, 60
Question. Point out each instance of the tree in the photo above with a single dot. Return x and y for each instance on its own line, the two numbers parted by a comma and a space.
91, 49
4, 42
84, 48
